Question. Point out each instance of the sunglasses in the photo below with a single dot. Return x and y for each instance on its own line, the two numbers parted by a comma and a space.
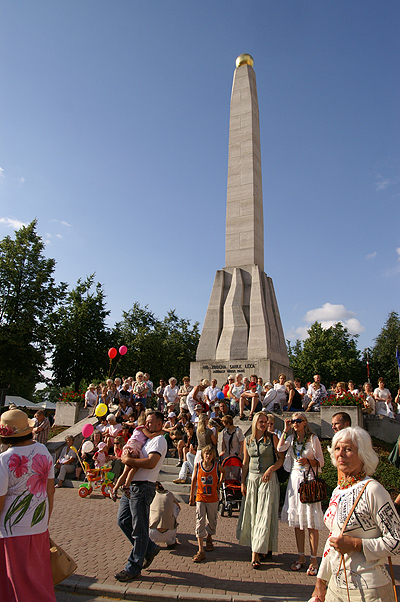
296, 421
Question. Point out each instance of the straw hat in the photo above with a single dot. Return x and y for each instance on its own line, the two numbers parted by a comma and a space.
15, 423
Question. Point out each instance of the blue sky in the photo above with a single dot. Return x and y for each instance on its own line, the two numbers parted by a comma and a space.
115, 123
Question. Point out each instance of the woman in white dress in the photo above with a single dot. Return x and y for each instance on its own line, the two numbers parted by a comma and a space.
303, 448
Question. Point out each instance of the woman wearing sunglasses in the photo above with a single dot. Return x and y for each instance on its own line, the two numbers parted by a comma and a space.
303, 449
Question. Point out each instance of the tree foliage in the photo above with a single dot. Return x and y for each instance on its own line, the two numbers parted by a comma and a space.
162, 347
81, 337
28, 296
330, 352
383, 355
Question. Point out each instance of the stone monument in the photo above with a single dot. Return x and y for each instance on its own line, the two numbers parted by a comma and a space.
242, 330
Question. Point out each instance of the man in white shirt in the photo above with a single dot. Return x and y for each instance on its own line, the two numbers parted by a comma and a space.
133, 512
211, 392
317, 379
270, 398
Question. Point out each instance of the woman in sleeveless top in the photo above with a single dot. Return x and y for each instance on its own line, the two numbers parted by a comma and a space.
258, 519
295, 402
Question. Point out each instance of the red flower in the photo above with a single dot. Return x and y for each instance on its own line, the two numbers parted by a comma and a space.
18, 464
37, 483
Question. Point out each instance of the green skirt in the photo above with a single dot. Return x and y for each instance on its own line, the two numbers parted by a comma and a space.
258, 519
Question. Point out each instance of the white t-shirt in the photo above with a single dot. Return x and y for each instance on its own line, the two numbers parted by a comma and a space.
156, 445
281, 390
171, 393
24, 472
211, 393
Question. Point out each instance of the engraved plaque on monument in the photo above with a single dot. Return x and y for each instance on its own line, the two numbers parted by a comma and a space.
242, 330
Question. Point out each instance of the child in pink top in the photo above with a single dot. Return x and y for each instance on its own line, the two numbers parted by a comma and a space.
133, 450
100, 457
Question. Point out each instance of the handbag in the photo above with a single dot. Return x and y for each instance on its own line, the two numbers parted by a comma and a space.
312, 491
62, 565
281, 473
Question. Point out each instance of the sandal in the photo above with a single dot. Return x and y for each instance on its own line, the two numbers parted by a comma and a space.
209, 544
250, 417
242, 417
199, 557
296, 566
256, 564
312, 570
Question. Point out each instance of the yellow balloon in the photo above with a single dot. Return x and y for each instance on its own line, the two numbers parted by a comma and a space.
101, 410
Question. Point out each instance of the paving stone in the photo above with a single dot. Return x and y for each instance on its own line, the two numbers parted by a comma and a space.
87, 529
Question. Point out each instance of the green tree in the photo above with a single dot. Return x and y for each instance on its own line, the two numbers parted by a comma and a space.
163, 348
28, 297
383, 355
330, 352
80, 336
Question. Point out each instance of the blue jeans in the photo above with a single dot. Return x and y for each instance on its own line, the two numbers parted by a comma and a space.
133, 519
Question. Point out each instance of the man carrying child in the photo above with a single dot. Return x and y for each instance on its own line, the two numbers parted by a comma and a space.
133, 512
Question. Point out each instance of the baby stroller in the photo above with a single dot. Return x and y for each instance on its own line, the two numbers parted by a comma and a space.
230, 494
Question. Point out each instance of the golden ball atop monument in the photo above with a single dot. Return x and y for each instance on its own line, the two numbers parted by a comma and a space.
244, 59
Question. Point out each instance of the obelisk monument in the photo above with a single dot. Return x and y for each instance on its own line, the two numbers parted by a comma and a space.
242, 330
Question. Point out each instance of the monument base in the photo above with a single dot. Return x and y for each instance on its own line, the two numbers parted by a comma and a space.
267, 369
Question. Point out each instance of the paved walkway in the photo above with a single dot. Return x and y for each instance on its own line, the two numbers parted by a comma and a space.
88, 531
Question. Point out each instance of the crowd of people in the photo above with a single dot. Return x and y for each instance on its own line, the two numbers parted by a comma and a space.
196, 425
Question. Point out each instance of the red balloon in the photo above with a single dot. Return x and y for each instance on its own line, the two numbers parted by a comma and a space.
112, 353
123, 349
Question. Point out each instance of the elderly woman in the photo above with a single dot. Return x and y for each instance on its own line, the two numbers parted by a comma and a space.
383, 399
184, 392
372, 533
258, 519
171, 393
140, 388
113, 430
91, 398
303, 453
236, 389
26, 503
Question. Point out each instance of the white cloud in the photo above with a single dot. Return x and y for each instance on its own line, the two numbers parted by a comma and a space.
383, 183
12, 223
398, 253
2, 173
59, 235
62, 222
328, 315
21, 180
371, 255
328, 312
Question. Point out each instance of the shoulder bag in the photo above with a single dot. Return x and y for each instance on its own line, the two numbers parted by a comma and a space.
281, 473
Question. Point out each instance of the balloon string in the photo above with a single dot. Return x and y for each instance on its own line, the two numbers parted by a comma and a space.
115, 367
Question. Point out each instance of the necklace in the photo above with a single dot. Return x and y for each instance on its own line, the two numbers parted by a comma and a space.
346, 482
298, 452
